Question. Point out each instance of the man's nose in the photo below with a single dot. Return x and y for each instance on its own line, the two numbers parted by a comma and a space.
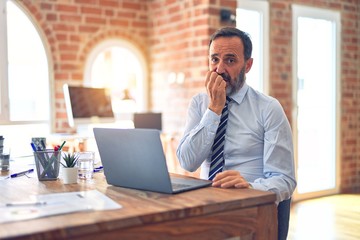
220, 68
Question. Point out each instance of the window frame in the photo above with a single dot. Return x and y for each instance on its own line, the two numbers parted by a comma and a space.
4, 100
4, 74
261, 7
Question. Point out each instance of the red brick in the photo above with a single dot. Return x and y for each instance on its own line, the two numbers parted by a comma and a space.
132, 5
95, 20
68, 57
63, 27
88, 29
61, 76
51, 17
66, 8
119, 22
70, 18
77, 76
86, 2
61, 37
91, 10
45, 6
139, 24
68, 47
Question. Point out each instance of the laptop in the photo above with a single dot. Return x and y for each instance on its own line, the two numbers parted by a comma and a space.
148, 120
134, 158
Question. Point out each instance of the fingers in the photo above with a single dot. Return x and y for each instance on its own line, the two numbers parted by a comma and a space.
216, 89
227, 182
207, 81
226, 173
230, 179
214, 81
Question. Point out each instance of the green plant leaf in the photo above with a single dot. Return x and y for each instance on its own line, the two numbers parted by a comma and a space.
70, 160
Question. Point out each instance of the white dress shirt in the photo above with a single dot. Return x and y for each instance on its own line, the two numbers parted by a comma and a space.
258, 141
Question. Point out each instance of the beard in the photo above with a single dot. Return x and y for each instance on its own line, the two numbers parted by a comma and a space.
234, 85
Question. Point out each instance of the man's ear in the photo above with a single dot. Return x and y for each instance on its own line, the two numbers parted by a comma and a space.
248, 65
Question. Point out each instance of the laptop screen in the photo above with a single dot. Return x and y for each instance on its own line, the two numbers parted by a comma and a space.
148, 120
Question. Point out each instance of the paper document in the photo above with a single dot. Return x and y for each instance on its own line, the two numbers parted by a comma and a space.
55, 204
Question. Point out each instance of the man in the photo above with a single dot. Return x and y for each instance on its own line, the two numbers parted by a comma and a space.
258, 149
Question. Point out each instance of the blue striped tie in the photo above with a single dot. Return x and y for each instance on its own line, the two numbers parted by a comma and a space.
217, 157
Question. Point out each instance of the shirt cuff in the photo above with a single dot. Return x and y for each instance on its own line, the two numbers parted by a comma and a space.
210, 120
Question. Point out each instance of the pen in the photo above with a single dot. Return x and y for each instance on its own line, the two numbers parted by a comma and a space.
43, 144
62, 145
14, 175
23, 204
33, 147
98, 169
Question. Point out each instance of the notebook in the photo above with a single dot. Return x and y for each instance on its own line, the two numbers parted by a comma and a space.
134, 158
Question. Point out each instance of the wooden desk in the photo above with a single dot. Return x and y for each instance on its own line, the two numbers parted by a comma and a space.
209, 213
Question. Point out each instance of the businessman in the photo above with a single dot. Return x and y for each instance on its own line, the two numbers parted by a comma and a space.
239, 137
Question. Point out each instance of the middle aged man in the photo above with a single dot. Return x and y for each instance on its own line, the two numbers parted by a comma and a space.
255, 148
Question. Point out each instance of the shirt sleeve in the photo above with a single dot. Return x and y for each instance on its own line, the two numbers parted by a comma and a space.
278, 158
199, 134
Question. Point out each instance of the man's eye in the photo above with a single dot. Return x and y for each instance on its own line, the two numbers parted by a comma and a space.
214, 60
230, 60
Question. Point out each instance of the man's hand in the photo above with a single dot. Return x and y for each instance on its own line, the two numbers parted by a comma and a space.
216, 89
230, 179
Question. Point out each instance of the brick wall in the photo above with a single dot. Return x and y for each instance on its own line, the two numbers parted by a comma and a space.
72, 28
179, 31
174, 35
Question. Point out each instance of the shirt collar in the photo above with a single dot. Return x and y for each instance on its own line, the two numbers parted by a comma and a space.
240, 95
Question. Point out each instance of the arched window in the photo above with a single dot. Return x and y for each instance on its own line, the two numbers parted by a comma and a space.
119, 66
24, 79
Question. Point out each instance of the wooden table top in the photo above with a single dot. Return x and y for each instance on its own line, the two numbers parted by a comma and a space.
139, 207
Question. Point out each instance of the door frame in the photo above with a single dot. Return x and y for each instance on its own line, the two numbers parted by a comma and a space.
335, 17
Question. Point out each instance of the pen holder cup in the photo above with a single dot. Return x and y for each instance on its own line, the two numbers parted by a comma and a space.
1, 144
47, 164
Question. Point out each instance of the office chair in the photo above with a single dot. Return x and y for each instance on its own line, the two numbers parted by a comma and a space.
283, 219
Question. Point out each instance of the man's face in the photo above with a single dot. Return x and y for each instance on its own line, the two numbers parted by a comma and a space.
226, 57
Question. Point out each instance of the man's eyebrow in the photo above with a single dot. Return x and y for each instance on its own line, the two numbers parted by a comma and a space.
230, 55
226, 55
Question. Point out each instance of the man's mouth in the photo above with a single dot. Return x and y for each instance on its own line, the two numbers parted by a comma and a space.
225, 77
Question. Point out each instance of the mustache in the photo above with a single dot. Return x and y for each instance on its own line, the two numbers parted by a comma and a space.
226, 77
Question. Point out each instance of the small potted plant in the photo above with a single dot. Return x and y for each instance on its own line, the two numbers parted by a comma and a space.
70, 169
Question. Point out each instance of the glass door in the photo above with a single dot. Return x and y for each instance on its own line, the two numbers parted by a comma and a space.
316, 36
